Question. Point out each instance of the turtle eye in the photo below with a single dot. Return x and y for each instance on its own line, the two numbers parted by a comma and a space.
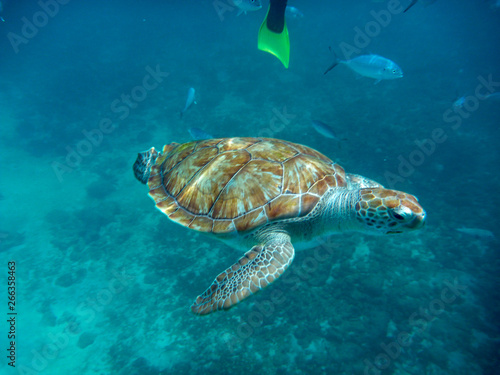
401, 213
397, 216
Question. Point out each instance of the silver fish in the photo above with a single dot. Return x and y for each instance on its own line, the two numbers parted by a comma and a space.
198, 134
292, 12
372, 66
323, 129
245, 6
495, 96
189, 100
476, 232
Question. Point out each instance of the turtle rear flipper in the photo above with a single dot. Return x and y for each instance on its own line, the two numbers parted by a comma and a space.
258, 268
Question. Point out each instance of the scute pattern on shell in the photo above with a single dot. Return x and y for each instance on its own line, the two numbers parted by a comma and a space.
238, 184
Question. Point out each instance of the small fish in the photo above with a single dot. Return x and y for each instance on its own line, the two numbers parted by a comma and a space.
292, 12
245, 6
198, 134
372, 66
495, 96
459, 103
476, 232
189, 101
325, 130
413, 2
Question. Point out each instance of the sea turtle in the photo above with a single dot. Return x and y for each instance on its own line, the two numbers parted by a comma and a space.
266, 195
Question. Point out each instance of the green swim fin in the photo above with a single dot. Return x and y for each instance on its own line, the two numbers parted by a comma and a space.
273, 34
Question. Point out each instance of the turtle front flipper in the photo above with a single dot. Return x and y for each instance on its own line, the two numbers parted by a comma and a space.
258, 268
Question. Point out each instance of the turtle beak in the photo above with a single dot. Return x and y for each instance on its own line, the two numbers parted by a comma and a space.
418, 222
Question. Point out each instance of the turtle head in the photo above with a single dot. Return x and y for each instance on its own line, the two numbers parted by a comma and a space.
147, 159
142, 166
388, 211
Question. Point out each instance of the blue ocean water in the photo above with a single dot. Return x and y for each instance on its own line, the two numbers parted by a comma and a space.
104, 281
